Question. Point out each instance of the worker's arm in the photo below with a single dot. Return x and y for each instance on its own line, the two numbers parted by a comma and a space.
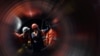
18, 35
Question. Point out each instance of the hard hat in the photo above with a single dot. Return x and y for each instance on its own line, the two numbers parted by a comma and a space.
25, 29
34, 26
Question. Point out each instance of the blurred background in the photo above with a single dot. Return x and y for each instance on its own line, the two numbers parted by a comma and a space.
79, 32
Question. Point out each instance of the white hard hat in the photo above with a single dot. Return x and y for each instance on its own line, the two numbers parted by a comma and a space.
25, 29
